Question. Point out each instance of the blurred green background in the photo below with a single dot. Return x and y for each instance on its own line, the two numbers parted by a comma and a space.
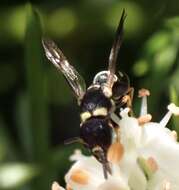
37, 109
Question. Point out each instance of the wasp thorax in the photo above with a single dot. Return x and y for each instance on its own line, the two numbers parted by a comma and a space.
95, 103
96, 132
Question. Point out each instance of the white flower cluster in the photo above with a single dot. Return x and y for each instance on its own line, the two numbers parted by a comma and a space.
146, 158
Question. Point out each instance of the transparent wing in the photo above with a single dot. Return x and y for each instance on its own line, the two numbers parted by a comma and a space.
55, 55
114, 51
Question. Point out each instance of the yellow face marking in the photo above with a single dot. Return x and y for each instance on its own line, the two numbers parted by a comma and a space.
100, 112
84, 116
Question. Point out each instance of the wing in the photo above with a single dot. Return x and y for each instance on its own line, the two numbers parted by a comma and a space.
55, 55
114, 51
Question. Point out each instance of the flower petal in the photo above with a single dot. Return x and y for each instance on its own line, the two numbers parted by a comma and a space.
85, 174
113, 184
130, 132
56, 186
159, 144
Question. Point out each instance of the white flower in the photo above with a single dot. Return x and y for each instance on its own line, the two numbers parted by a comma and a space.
146, 158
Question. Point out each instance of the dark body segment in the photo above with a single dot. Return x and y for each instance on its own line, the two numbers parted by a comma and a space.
93, 99
96, 132
120, 87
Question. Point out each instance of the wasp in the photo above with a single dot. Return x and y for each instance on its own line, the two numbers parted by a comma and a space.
109, 93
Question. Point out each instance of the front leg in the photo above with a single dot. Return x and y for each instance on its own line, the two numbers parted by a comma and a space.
115, 125
124, 102
128, 98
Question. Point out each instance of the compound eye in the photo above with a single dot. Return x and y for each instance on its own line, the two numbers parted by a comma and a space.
121, 87
100, 78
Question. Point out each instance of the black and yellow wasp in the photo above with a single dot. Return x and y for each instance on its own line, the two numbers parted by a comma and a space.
108, 93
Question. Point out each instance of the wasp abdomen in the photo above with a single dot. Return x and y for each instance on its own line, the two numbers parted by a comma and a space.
96, 132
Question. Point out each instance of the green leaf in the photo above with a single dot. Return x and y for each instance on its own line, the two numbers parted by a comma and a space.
36, 93
8, 149
37, 128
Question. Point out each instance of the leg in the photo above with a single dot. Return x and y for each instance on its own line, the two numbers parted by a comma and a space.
128, 98
115, 125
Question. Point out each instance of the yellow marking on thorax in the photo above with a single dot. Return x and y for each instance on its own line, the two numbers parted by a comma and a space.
97, 112
100, 112
84, 116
